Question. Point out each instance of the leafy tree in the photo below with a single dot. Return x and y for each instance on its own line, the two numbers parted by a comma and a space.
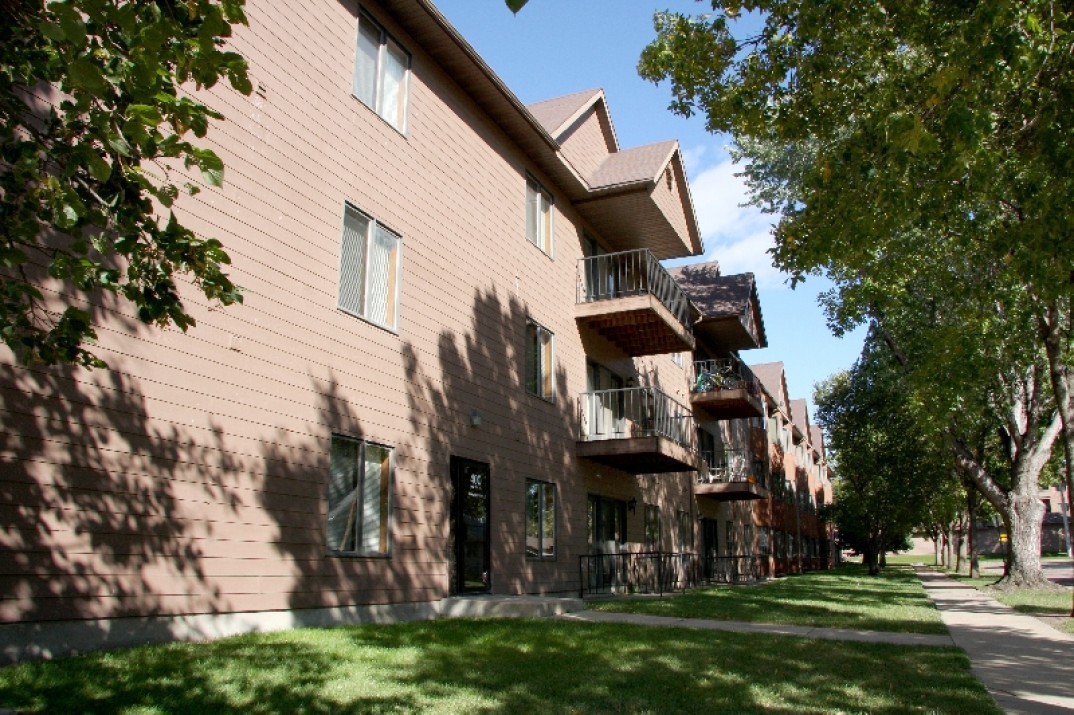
95, 115
891, 139
886, 469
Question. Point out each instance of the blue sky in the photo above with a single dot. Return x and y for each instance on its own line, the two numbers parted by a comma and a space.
556, 47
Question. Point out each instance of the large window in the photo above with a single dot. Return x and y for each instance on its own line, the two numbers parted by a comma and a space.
538, 216
539, 379
359, 498
540, 520
381, 71
369, 269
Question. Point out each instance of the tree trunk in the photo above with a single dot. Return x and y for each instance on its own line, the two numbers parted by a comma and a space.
1026, 512
1020, 506
958, 548
971, 540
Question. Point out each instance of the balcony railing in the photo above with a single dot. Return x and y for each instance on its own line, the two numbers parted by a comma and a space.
656, 572
620, 275
724, 374
731, 465
635, 412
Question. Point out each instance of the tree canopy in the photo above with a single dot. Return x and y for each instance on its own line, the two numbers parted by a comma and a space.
95, 114
888, 475
919, 155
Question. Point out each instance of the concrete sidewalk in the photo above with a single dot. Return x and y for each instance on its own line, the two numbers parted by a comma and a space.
1027, 666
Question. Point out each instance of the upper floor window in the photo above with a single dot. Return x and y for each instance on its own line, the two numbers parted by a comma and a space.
369, 269
539, 379
381, 72
538, 215
359, 497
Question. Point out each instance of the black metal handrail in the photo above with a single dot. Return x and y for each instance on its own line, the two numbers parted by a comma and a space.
656, 572
619, 275
636, 412
733, 569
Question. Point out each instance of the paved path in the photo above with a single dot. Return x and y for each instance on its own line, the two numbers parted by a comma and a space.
1027, 666
838, 634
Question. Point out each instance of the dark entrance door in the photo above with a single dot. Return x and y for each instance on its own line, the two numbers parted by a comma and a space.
710, 548
470, 526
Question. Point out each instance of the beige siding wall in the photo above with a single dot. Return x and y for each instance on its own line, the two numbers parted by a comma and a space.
587, 143
190, 477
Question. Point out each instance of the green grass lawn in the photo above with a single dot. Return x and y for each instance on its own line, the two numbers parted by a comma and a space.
501, 666
845, 597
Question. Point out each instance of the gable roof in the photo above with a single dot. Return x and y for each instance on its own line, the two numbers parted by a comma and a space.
730, 307
632, 166
800, 417
558, 113
816, 438
773, 381
628, 215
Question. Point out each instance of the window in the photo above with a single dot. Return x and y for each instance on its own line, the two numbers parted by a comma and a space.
686, 532
359, 497
369, 269
381, 71
540, 520
538, 216
677, 359
539, 380
652, 527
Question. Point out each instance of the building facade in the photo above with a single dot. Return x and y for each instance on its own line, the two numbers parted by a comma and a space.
460, 366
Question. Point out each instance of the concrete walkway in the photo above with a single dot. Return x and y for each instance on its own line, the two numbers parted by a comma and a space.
836, 634
1027, 666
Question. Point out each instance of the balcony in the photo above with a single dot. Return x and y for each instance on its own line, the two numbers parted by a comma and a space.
725, 390
632, 301
731, 475
638, 430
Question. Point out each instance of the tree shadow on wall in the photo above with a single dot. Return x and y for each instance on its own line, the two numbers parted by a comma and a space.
88, 486
481, 375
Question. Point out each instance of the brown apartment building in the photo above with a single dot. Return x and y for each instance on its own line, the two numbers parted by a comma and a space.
460, 366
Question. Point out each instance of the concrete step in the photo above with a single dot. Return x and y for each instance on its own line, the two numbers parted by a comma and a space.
492, 606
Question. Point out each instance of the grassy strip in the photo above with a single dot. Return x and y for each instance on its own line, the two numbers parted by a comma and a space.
497, 666
846, 597
1050, 603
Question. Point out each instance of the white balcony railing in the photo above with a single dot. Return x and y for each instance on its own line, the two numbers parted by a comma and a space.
635, 412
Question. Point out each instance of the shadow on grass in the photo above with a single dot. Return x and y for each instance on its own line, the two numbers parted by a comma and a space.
502, 667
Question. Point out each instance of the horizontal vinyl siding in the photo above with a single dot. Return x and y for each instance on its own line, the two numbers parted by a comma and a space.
190, 477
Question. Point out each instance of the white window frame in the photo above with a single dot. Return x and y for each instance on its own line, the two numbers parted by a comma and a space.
542, 233
542, 382
348, 508
350, 286
385, 45
544, 550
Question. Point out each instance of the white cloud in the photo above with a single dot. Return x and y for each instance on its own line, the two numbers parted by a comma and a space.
735, 235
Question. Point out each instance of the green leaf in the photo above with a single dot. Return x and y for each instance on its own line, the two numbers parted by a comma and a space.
86, 75
515, 5
212, 166
118, 142
98, 168
74, 28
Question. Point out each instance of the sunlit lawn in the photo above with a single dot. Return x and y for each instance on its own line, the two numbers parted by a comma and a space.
845, 597
500, 666
1032, 601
